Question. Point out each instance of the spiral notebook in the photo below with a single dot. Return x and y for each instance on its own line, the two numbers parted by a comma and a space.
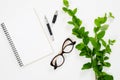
26, 36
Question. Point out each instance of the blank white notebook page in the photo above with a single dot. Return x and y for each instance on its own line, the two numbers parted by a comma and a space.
27, 34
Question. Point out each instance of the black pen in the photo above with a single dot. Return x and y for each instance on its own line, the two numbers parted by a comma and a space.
54, 17
49, 28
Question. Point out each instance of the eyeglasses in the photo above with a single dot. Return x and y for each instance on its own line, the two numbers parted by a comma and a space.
59, 59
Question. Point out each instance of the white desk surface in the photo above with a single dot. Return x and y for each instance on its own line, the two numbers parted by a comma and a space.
71, 69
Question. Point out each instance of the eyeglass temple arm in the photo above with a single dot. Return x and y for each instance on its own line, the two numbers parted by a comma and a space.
55, 66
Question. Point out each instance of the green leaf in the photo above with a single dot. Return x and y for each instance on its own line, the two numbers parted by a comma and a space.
86, 51
106, 58
111, 42
86, 40
66, 3
98, 45
104, 73
75, 31
65, 9
100, 35
82, 30
107, 64
108, 49
87, 66
103, 42
79, 22
110, 14
108, 77
70, 22
98, 54
97, 22
80, 46
96, 29
86, 34
76, 20
74, 11
104, 27
100, 67
88, 55
70, 12
100, 20
93, 42
100, 58
83, 53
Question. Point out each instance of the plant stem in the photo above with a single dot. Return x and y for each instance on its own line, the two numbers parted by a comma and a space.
95, 77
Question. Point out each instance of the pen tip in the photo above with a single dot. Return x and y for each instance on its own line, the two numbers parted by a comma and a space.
45, 18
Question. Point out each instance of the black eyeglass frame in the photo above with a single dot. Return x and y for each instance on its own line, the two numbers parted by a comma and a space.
53, 62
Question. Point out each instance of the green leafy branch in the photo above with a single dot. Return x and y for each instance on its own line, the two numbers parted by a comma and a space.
100, 48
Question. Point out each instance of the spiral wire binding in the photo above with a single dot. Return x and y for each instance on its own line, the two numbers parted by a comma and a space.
12, 45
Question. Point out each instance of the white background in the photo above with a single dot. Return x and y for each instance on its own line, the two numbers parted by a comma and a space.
71, 69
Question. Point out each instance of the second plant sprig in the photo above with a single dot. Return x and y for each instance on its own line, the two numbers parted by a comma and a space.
100, 48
